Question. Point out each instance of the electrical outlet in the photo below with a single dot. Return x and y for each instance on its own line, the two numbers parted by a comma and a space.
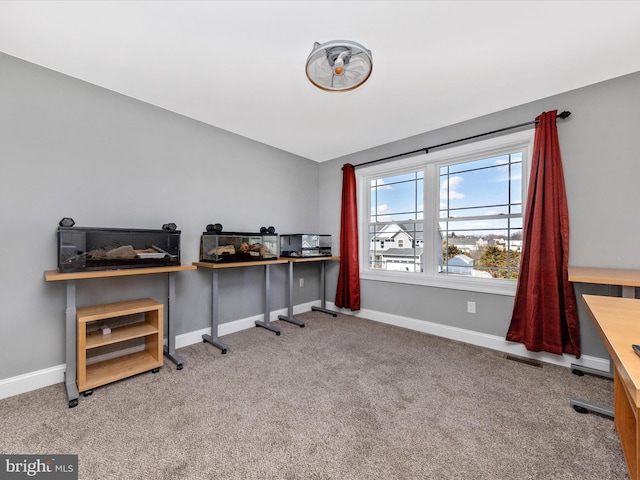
302, 282
471, 307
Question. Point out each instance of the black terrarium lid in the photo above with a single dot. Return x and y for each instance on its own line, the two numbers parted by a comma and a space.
216, 229
67, 224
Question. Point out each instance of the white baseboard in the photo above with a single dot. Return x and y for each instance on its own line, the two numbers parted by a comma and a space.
50, 376
31, 381
493, 342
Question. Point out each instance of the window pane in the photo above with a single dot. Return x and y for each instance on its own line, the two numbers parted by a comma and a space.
481, 188
397, 178
490, 186
481, 248
516, 186
476, 164
476, 211
396, 247
397, 198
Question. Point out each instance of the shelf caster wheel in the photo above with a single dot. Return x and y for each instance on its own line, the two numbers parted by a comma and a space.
580, 409
223, 351
179, 367
575, 371
277, 333
87, 393
155, 370
302, 326
73, 403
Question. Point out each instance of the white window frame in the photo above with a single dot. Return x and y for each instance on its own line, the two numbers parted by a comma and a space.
430, 164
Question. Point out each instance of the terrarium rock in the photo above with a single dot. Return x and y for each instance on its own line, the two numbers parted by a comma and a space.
223, 250
98, 253
126, 252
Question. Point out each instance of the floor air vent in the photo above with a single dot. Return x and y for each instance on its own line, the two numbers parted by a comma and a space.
526, 361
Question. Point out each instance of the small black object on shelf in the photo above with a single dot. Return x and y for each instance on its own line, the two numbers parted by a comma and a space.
66, 222
214, 227
171, 227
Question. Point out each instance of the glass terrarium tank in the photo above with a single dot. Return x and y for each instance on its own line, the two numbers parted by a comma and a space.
84, 249
238, 247
305, 245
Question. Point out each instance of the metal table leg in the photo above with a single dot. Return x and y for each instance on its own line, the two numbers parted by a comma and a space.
266, 323
71, 345
582, 406
170, 348
213, 338
323, 287
289, 318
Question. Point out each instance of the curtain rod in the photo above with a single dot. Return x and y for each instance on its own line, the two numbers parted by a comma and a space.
564, 114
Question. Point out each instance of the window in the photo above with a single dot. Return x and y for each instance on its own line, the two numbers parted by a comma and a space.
452, 218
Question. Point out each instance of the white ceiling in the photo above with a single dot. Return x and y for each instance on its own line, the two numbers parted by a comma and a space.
239, 65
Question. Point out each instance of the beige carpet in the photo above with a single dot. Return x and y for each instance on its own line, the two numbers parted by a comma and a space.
343, 398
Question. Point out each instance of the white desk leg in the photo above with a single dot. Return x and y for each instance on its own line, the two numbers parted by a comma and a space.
266, 323
71, 345
213, 338
289, 318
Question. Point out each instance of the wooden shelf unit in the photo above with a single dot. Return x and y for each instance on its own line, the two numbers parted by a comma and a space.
113, 369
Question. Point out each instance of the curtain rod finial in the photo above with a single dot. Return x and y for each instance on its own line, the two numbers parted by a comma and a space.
564, 114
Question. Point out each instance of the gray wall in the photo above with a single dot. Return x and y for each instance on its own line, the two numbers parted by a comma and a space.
599, 151
68, 148
71, 149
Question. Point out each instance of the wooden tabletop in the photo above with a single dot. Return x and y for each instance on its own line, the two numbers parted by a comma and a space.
54, 275
605, 276
618, 322
238, 264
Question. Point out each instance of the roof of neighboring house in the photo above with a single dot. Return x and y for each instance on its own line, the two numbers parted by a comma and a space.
392, 230
460, 260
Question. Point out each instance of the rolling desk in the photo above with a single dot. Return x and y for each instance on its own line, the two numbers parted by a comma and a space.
322, 308
618, 322
628, 280
215, 268
70, 323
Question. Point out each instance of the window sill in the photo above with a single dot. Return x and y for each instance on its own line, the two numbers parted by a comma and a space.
481, 285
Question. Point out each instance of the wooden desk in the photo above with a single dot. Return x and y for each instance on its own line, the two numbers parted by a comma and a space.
215, 267
70, 324
628, 279
618, 322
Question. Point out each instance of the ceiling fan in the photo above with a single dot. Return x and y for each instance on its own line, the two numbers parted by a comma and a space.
339, 65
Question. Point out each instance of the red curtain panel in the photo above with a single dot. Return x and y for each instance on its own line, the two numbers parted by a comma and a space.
348, 290
545, 315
